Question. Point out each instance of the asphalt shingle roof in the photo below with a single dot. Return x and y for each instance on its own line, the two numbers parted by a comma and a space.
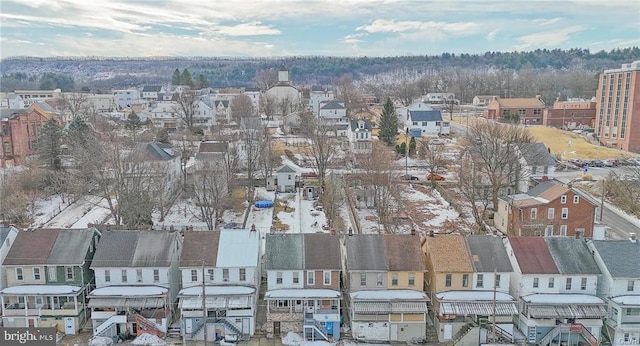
533, 255
135, 249
364, 252
4, 233
322, 251
332, 105
403, 252
448, 253
536, 154
488, 254
621, 257
31, 247
284, 251
428, 115
354, 124
199, 248
71, 246
572, 256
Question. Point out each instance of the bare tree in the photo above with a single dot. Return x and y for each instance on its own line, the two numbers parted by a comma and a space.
347, 93
380, 178
268, 105
268, 159
285, 106
624, 191
435, 155
333, 197
19, 194
265, 79
241, 107
252, 135
407, 91
76, 105
322, 144
185, 108
474, 188
211, 191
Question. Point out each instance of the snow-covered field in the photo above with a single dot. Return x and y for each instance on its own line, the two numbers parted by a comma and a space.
47, 209
88, 209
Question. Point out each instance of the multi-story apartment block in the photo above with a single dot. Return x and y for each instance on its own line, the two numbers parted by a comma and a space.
618, 107
48, 278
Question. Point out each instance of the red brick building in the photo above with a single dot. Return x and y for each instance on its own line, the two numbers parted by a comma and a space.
571, 114
528, 109
549, 209
618, 109
19, 130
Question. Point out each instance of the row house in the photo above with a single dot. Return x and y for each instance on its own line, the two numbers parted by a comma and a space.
360, 139
619, 286
571, 114
385, 278
48, 278
7, 238
468, 281
137, 280
303, 285
19, 130
528, 110
555, 280
220, 269
549, 209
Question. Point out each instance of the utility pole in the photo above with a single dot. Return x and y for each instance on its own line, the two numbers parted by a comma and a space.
406, 153
493, 315
204, 305
602, 199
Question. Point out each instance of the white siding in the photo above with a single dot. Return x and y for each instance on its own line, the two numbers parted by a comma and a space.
287, 279
147, 277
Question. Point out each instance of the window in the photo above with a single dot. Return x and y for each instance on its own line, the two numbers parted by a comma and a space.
480, 280
326, 277
243, 274
107, 275
536, 282
379, 280
412, 279
496, 283
156, 275
576, 199
447, 280
36, 273
630, 285
551, 212
194, 275
138, 275
583, 284
68, 273
563, 199
363, 279
563, 230
632, 312
534, 213
311, 278
565, 213
394, 279
551, 282
548, 231
568, 284
124, 275
279, 278
296, 277
225, 275
465, 280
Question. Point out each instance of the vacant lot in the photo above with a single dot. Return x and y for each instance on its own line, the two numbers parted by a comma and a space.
571, 145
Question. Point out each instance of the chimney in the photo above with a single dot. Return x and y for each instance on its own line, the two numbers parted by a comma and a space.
539, 97
350, 231
253, 227
494, 98
579, 234
632, 237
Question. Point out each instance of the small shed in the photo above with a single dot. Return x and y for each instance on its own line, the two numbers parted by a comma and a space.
286, 179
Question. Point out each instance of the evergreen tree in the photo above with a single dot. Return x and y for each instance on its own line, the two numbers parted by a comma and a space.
175, 79
202, 82
162, 135
388, 124
412, 146
185, 78
48, 147
133, 121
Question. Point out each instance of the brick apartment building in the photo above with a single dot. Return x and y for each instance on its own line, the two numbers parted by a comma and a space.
528, 109
549, 209
618, 107
571, 114
19, 130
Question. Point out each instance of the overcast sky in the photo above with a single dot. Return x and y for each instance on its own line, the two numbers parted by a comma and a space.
139, 28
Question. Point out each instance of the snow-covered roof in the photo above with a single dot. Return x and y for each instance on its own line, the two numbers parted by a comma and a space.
217, 290
301, 293
129, 291
627, 300
389, 295
562, 299
42, 289
238, 248
473, 296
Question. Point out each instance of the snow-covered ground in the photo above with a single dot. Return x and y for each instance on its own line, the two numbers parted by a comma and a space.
88, 209
261, 218
181, 214
47, 209
430, 211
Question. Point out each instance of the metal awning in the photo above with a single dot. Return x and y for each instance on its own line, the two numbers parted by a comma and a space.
137, 303
389, 307
195, 303
567, 311
476, 308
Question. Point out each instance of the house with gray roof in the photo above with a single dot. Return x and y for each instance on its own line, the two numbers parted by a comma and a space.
619, 286
360, 136
537, 164
303, 284
423, 120
137, 281
150, 92
334, 113
491, 265
385, 275
48, 278
317, 95
227, 264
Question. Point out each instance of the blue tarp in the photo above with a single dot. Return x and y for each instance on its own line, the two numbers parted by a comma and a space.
264, 204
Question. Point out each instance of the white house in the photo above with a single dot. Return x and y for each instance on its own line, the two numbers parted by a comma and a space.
254, 96
619, 286
204, 115
11, 101
481, 100
163, 115
284, 91
225, 265
7, 237
162, 164
286, 179
360, 136
536, 162
437, 98
222, 110
317, 95
137, 280
126, 98
422, 121
151, 92
556, 279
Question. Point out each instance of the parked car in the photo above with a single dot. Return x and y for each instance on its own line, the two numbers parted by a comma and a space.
410, 177
309, 175
437, 177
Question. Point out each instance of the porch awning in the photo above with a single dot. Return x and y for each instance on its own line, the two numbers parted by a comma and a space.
567, 311
136, 303
389, 307
195, 303
471, 308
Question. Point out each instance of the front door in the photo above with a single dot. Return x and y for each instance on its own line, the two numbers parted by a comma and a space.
448, 332
31, 322
69, 326
246, 328
394, 332
276, 328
